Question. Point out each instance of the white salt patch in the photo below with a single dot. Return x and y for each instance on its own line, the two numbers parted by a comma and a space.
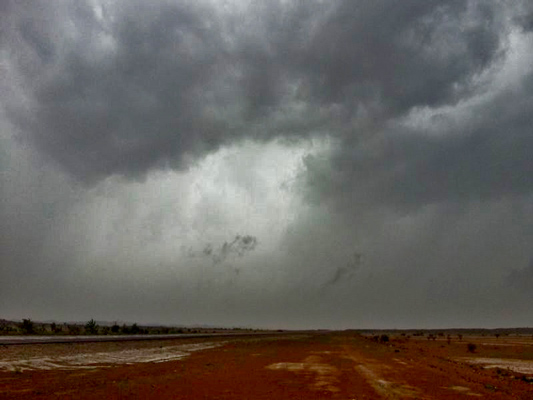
521, 366
507, 344
92, 360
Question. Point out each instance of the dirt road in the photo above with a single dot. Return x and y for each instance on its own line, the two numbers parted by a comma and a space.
312, 366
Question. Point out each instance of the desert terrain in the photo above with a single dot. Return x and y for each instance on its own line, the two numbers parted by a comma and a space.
299, 365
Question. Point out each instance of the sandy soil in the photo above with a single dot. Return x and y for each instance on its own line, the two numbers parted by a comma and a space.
314, 366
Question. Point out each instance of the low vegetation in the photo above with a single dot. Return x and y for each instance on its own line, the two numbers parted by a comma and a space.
92, 327
471, 347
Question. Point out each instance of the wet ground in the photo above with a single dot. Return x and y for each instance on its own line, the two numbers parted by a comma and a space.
312, 366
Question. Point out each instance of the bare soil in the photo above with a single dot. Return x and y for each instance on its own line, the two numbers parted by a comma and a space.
337, 365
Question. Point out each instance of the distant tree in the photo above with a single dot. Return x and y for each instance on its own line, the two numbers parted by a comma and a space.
105, 330
27, 326
383, 338
115, 328
125, 329
91, 327
134, 329
497, 335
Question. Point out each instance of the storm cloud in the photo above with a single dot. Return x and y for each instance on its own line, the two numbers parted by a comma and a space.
296, 134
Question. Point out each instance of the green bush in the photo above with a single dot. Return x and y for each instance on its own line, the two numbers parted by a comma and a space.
91, 327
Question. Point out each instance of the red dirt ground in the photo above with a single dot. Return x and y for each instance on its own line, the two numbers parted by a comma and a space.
338, 365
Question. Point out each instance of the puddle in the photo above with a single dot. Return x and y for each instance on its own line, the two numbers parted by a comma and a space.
96, 360
521, 366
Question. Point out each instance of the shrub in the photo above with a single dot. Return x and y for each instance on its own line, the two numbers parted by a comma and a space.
91, 327
383, 338
471, 347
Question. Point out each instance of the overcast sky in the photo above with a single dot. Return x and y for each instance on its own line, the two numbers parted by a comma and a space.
280, 163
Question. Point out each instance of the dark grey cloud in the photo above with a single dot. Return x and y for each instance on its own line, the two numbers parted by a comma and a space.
238, 247
135, 87
408, 169
119, 95
347, 271
524, 17
417, 121
522, 279
401, 55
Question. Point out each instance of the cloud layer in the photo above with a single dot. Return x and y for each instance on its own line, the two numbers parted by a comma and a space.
126, 89
373, 156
